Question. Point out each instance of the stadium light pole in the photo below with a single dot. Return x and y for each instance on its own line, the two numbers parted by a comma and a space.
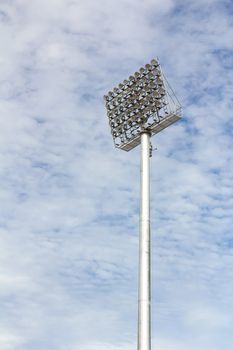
138, 108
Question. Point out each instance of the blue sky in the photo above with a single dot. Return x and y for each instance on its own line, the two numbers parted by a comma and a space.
69, 200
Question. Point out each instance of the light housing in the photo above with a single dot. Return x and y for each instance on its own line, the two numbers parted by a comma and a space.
144, 102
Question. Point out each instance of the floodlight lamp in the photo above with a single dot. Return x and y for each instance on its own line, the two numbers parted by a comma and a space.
157, 94
157, 104
154, 63
156, 72
142, 70
132, 78
161, 91
159, 81
107, 99
145, 78
148, 67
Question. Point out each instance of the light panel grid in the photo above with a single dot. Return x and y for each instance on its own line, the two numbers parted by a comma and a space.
144, 102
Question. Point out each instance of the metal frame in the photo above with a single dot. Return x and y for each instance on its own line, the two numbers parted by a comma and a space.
137, 109
142, 102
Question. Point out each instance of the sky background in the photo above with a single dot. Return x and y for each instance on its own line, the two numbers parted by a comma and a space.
70, 201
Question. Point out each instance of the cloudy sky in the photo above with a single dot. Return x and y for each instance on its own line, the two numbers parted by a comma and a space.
70, 201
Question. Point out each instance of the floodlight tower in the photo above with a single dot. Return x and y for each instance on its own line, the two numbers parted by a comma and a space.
138, 108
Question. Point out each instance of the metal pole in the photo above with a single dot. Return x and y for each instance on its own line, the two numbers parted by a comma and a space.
144, 295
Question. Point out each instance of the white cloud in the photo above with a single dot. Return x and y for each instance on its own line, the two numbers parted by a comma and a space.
9, 340
69, 213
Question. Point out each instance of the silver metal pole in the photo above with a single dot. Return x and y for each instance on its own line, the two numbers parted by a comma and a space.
144, 295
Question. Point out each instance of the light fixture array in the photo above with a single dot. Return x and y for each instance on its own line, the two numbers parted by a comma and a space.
140, 103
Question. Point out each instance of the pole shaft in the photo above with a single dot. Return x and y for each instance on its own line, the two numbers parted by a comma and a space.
144, 297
